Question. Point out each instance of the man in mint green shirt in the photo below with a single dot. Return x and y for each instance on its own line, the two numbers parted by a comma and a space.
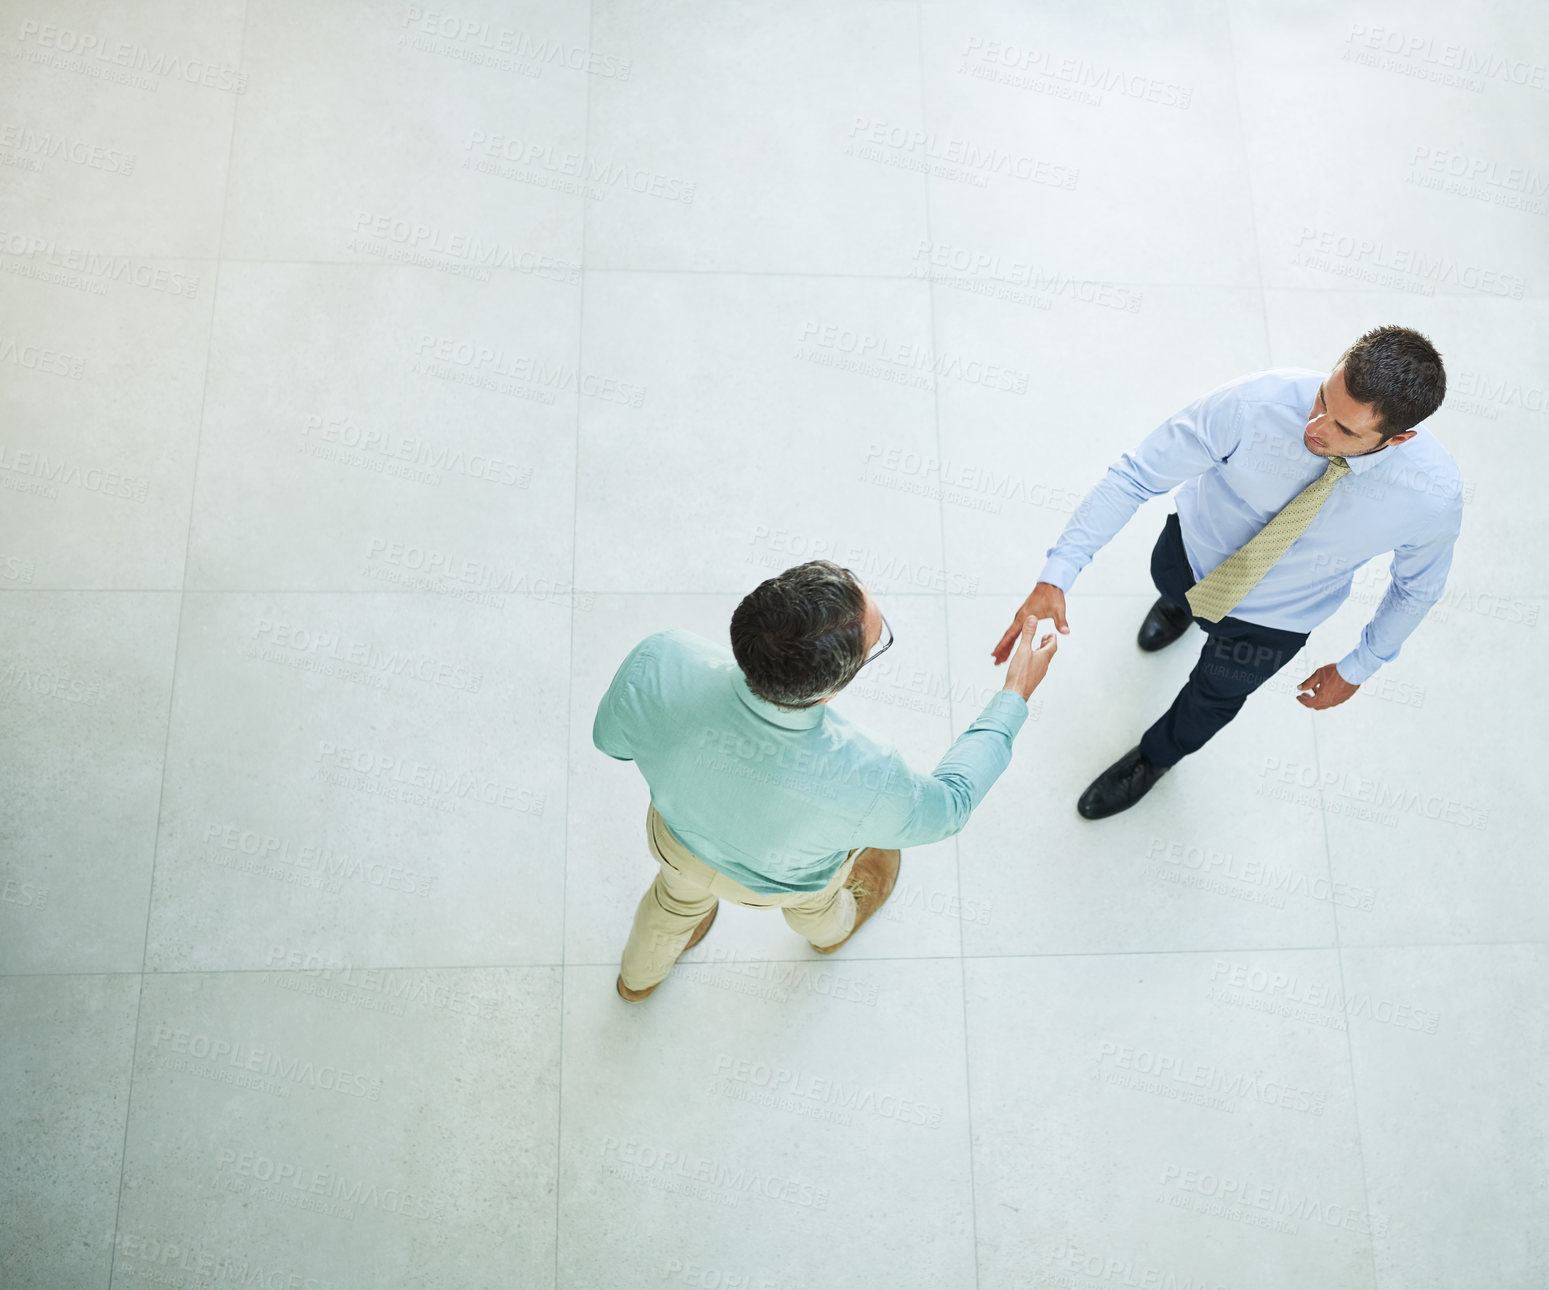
763, 794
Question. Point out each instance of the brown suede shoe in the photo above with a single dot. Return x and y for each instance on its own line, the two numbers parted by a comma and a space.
871, 883
634, 996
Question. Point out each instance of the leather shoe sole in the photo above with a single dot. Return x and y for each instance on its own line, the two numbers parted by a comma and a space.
871, 882
634, 996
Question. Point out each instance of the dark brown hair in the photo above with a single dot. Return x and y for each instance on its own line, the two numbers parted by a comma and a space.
1397, 371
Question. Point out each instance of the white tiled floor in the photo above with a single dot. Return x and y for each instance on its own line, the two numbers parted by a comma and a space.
349, 443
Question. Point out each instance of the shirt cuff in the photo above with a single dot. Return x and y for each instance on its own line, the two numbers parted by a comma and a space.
1353, 670
1059, 571
1006, 711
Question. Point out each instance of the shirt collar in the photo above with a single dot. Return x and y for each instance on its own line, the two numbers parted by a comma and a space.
1383, 456
1367, 460
790, 718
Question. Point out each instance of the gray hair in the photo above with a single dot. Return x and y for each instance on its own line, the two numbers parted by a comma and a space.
800, 636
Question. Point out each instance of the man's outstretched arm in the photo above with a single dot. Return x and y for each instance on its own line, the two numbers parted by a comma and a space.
913, 809
1188, 443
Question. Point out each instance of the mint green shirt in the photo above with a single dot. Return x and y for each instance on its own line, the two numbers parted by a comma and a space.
774, 798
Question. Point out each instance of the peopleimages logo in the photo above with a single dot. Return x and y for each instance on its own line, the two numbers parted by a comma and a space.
36, 358
394, 448
1297, 991
309, 648
1256, 872
1119, 1270
802, 1085
1014, 64
289, 1181
1450, 62
78, 152
911, 356
1272, 1198
717, 1181
987, 273
165, 1256
981, 160
1405, 267
313, 863
430, 239
477, 37
83, 45
244, 1057
1185, 1079
1385, 801
99, 267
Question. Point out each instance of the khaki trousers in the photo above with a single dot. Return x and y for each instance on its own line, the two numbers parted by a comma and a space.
686, 889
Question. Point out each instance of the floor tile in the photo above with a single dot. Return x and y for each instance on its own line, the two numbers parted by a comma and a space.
101, 432
416, 446
1466, 1194
762, 394
1126, 1124
412, 136
371, 777
738, 149
64, 1083
698, 1130
85, 682
1447, 842
115, 132
1110, 153
289, 1121
1438, 199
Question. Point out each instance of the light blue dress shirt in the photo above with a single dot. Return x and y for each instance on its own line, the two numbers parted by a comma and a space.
776, 798
1238, 453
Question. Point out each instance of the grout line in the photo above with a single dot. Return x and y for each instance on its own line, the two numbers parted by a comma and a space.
1344, 993
751, 961
1146, 593
188, 539
946, 622
514, 595
676, 272
570, 695
1454, 294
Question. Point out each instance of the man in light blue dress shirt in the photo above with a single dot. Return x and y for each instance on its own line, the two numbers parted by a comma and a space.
764, 795
1241, 453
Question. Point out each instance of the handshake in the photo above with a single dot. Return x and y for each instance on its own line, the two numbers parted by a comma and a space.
1030, 664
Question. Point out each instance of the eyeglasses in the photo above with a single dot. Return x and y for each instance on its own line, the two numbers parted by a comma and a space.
882, 643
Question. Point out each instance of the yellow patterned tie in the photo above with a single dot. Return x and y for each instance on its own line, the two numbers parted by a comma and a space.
1215, 595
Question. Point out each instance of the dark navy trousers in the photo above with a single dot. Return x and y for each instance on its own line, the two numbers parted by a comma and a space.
1238, 658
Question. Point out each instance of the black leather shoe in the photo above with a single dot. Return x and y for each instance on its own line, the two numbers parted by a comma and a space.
1164, 624
1120, 786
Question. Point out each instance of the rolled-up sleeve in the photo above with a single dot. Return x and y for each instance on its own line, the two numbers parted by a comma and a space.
914, 809
1187, 444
